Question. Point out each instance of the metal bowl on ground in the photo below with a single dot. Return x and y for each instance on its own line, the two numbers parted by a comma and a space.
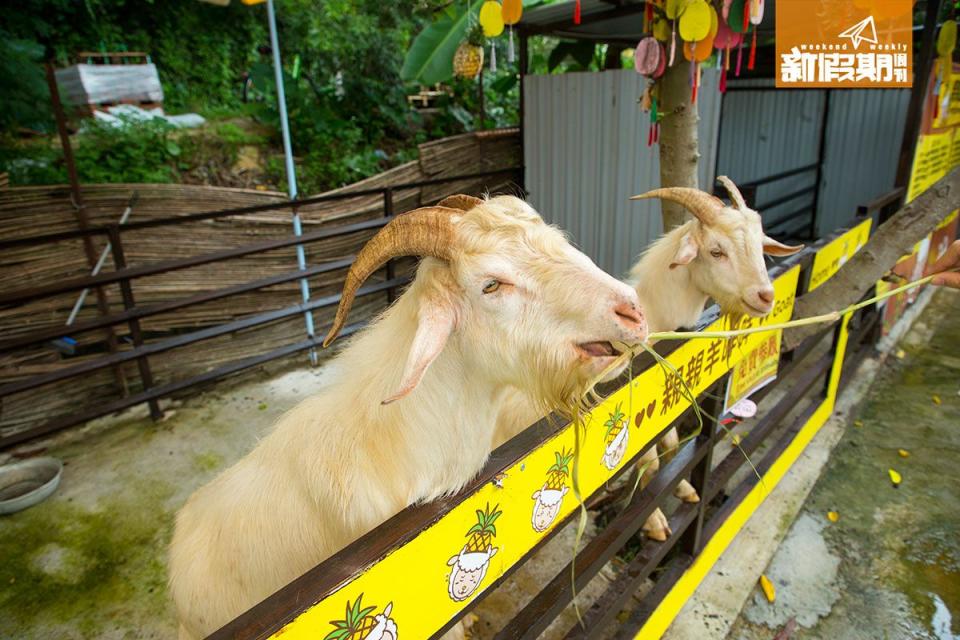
27, 483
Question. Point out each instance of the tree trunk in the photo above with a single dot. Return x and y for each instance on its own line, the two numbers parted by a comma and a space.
893, 240
679, 152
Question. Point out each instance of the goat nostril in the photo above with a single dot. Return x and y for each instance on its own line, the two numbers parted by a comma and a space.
628, 313
766, 295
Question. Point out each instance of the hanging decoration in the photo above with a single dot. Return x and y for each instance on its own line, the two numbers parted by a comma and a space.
725, 41
576, 12
703, 27
511, 11
646, 57
491, 20
468, 59
695, 21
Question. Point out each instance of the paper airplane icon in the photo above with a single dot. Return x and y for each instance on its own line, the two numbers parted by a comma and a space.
863, 31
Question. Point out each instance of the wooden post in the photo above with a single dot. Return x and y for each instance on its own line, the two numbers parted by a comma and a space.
143, 365
483, 112
103, 306
921, 67
691, 542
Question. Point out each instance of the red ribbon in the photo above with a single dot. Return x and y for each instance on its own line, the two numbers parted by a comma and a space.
753, 50
576, 12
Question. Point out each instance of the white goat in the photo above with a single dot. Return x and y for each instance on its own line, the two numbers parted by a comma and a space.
718, 255
496, 304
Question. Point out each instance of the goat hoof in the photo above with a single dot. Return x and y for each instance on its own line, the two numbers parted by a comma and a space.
686, 492
656, 527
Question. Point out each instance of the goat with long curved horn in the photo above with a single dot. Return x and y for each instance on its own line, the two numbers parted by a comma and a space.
734, 192
701, 204
422, 232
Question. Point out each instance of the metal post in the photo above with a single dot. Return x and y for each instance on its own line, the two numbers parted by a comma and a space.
291, 170
523, 69
104, 254
821, 158
103, 306
143, 365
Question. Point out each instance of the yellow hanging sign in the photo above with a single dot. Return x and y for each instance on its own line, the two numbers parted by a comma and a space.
835, 254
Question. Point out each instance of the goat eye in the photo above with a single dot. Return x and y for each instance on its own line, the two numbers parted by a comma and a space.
717, 253
491, 286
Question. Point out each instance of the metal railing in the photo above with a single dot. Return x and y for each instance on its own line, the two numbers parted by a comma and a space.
125, 276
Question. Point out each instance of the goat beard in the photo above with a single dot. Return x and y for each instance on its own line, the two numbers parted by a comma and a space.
568, 390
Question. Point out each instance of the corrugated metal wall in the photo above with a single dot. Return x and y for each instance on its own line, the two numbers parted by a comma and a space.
864, 133
586, 153
765, 132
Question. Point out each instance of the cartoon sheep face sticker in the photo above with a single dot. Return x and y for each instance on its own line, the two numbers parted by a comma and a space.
468, 568
616, 438
547, 500
361, 624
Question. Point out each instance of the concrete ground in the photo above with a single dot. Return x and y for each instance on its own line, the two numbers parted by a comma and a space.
90, 562
889, 567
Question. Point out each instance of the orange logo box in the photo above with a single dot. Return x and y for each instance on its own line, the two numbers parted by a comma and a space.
844, 43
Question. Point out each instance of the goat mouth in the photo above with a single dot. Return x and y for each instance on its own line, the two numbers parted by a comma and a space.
598, 349
756, 311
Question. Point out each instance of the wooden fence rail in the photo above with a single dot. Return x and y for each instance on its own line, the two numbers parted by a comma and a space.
130, 316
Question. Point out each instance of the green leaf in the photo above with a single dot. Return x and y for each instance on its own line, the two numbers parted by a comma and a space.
505, 83
356, 609
363, 614
581, 52
173, 148
430, 58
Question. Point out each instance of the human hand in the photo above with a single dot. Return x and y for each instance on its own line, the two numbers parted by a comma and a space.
949, 260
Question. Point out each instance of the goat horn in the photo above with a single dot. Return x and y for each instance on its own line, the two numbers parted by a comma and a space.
460, 201
422, 232
735, 195
700, 203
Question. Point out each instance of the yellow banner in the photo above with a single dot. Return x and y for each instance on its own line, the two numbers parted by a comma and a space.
758, 368
416, 589
835, 254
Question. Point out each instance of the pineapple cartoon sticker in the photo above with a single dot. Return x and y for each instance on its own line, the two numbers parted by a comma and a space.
616, 437
550, 496
361, 624
470, 565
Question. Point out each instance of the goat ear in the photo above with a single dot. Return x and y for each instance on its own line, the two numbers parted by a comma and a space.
436, 323
774, 248
687, 252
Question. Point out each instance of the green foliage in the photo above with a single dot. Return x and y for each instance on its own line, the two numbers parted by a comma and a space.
430, 58
200, 49
25, 99
136, 151
349, 116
